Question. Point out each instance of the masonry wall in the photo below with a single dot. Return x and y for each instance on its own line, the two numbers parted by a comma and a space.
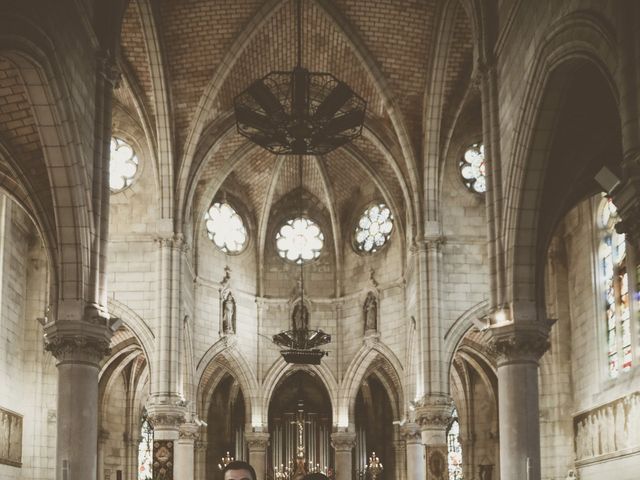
27, 374
593, 395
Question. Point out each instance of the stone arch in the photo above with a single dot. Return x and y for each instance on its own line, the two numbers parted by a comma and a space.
372, 357
33, 55
280, 369
136, 324
576, 40
224, 356
460, 328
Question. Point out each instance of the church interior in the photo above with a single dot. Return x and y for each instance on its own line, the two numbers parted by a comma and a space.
374, 239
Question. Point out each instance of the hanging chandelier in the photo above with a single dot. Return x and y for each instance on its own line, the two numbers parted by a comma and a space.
300, 344
299, 112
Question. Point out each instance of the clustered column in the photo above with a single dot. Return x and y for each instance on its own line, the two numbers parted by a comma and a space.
415, 451
518, 347
434, 415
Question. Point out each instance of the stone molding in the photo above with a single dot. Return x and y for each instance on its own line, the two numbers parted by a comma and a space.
77, 348
434, 412
257, 441
165, 415
411, 433
519, 341
189, 431
108, 68
627, 200
343, 441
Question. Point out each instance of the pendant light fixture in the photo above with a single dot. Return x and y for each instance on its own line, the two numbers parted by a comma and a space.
299, 112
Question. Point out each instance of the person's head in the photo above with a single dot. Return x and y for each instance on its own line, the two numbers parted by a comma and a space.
239, 470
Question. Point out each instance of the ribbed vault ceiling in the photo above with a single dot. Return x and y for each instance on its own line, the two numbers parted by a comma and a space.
382, 49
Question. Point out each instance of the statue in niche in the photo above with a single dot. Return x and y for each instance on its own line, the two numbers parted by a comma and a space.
228, 313
571, 475
370, 310
300, 316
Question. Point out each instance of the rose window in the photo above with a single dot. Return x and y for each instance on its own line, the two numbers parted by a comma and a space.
473, 167
299, 240
123, 165
225, 228
374, 228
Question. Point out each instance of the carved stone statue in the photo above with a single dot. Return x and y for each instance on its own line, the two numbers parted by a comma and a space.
228, 313
571, 475
486, 472
300, 317
370, 310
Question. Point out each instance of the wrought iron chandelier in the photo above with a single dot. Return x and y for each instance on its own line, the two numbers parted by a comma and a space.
300, 345
299, 112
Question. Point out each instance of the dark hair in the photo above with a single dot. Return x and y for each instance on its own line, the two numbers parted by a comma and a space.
240, 465
316, 476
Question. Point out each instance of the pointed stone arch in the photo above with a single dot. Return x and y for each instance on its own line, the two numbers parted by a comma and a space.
579, 39
372, 357
280, 369
225, 356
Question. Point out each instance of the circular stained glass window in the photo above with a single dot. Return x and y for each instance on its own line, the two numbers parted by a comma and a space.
374, 228
225, 228
299, 240
123, 165
472, 168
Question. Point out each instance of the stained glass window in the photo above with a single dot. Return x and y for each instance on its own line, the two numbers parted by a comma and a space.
374, 228
225, 228
123, 165
299, 240
473, 167
615, 284
454, 449
145, 450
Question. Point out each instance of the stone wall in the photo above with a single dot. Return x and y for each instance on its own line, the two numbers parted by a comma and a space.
27, 373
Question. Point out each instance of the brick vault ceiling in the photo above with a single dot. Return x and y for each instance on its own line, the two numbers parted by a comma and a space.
195, 37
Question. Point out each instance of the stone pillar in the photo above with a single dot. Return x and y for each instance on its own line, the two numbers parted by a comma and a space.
103, 437
166, 420
400, 457
434, 415
78, 347
343, 443
201, 456
258, 443
185, 452
416, 466
518, 348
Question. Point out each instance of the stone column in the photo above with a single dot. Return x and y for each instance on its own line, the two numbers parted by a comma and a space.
78, 347
416, 466
343, 443
434, 415
258, 443
400, 457
518, 348
166, 420
103, 437
185, 452
201, 456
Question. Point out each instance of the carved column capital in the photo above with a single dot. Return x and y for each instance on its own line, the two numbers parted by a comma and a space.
166, 415
343, 441
411, 433
257, 441
189, 431
519, 341
433, 413
627, 200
